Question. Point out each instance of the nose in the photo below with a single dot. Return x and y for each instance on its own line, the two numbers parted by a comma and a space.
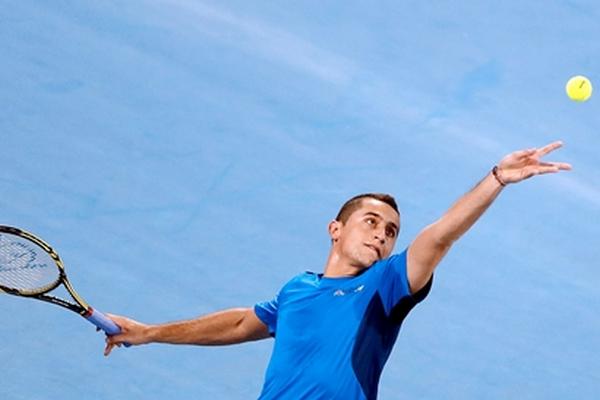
380, 236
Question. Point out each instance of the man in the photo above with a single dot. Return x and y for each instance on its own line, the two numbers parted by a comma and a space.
334, 331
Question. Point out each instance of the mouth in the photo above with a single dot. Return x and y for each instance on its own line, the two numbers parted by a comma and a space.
375, 249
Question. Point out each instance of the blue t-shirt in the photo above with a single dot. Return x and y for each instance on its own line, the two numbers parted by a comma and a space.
334, 335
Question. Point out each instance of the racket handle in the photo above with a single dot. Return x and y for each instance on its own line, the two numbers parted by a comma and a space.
103, 322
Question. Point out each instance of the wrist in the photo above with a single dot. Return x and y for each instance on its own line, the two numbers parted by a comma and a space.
150, 333
496, 174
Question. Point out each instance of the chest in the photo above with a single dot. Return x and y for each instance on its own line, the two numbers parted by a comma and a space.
322, 314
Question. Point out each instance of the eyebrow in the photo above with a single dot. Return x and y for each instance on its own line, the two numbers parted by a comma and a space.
380, 217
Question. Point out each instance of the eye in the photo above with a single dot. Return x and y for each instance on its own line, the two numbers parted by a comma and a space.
390, 232
370, 221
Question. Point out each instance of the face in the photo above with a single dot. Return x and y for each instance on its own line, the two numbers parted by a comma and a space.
369, 234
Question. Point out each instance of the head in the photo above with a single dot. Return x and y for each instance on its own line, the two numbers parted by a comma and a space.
365, 229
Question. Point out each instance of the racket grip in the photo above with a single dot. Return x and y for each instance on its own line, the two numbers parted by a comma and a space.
103, 322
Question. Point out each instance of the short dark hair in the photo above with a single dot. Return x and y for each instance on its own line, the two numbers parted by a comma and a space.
354, 203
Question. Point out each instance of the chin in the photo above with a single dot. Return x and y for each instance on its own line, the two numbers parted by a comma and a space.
366, 263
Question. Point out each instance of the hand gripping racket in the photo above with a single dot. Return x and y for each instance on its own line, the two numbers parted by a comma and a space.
29, 267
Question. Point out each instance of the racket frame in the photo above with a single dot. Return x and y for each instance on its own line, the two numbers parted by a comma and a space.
80, 306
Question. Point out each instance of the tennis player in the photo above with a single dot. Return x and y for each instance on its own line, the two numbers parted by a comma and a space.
334, 331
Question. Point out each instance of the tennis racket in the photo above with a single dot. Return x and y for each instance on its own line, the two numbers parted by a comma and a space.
29, 267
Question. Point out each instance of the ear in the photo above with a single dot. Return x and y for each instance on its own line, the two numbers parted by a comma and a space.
334, 229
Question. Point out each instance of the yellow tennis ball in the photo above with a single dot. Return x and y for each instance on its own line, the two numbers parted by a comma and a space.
579, 88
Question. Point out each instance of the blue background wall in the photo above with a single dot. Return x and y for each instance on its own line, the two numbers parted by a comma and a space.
184, 157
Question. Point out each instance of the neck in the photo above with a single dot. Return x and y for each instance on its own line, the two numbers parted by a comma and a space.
337, 266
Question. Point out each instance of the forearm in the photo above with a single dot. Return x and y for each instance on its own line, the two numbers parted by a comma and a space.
466, 211
232, 326
433, 242
220, 328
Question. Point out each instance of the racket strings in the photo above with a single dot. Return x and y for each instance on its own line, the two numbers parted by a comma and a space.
24, 266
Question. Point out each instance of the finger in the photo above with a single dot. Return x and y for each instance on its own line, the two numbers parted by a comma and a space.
560, 165
120, 321
113, 340
565, 166
524, 153
549, 148
114, 317
111, 343
108, 349
545, 170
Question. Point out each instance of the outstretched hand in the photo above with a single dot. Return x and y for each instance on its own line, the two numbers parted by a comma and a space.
524, 164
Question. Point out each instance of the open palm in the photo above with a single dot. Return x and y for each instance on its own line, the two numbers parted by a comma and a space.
524, 164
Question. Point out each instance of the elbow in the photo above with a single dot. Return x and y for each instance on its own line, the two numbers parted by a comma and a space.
243, 328
445, 242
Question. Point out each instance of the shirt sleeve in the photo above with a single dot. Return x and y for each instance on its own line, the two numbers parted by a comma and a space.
394, 287
267, 311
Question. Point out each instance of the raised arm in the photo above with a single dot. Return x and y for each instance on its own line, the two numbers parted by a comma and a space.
232, 326
433, 242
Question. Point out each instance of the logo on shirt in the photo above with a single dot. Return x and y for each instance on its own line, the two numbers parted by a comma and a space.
341, 292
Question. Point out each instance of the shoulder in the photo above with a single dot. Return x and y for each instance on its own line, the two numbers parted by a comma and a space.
304, 279
394, 263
